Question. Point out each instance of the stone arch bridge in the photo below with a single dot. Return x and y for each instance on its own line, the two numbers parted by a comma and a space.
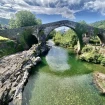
41, 32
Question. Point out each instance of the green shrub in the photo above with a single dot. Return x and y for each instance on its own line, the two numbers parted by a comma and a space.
67, 39
91, 57
24, 38
9, 47
10, 43
100, 58
87, 49
103, 62
92, 41
57, 43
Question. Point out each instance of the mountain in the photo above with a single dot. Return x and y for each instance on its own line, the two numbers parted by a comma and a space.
99, 24
4, 21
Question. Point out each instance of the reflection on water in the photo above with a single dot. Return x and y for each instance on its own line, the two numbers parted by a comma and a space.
57, 59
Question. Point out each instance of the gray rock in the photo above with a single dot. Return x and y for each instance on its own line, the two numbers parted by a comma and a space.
14, 72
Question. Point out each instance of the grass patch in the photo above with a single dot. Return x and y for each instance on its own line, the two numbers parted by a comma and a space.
3, 38
8, 47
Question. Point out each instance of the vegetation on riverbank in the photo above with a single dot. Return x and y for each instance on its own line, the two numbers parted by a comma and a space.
67, 39
8, 47
92, 54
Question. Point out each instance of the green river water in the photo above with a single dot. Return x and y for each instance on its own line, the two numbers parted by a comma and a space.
61, 79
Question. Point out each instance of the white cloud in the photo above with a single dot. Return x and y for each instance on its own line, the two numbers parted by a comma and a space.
97, 5
10, 7
66, 8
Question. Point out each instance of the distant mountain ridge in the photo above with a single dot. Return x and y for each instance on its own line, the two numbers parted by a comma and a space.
99, 24
4, 21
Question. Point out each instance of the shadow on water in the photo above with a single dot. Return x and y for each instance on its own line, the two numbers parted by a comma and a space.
102, 94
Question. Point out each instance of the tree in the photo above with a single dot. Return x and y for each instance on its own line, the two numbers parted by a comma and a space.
39, 21
0, 26
68, 39
12, 23
23, 18
82, 22
51, 35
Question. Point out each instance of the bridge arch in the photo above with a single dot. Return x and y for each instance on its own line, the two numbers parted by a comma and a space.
48, 29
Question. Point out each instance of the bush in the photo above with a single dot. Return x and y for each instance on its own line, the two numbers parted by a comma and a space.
94, 41
68, 39
103, 62
91, 57
9, 47
57, 43
91, 54
24, 38
87, 49
100, 58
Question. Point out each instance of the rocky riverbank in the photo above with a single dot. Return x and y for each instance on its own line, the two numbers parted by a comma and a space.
14, 72
99, 80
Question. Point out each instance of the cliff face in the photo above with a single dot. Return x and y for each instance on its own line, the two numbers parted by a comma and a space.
14, 72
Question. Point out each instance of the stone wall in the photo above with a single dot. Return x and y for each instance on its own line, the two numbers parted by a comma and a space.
14, 33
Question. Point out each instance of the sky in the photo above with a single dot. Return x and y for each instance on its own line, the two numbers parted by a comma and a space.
55, 10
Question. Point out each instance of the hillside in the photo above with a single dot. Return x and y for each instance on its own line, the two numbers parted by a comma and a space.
4, 21
99, 24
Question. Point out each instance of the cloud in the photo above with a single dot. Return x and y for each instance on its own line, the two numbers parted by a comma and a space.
97, 5
65, 12
61, 7
65, 8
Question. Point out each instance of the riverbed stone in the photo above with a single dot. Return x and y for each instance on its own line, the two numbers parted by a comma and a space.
14, 72
99, 80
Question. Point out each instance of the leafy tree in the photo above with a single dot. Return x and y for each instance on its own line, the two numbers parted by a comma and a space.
67, 39
12, 23
0, 26
23, 18
82, 22
52, 34
39, 21
71, 37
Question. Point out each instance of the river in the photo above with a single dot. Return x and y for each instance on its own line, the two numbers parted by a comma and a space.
61, 79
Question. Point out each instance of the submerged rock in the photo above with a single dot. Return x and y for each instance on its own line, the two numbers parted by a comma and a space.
99, 80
